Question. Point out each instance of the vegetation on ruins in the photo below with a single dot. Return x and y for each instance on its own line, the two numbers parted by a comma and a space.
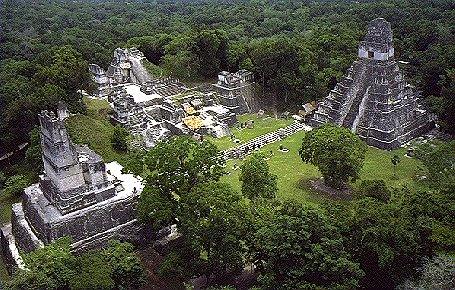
399, 218
14, 185
337, 152
256, 179
119, 139
55, 267
33, 153
296, 50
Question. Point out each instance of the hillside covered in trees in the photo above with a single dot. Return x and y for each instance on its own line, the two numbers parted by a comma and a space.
296, 49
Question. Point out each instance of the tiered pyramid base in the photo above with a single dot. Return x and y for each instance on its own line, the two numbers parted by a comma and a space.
36, 221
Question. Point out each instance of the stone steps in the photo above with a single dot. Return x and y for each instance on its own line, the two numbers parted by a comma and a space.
260, 141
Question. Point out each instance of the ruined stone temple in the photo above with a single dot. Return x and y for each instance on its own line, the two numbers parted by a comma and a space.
78, 196
373, 99
236, 91
127, 66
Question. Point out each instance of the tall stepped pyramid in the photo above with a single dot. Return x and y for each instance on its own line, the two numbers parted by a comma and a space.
373, 99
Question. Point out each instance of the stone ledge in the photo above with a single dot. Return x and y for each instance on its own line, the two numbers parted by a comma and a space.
10, 251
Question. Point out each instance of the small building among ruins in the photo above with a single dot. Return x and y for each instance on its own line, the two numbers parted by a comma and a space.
373, 99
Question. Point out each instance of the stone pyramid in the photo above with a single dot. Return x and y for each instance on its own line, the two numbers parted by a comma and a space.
373, 99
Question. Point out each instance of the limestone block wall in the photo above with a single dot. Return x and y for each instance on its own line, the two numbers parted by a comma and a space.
48, 224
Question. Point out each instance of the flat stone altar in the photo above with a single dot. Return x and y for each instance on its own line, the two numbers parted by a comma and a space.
373, 99
78, 196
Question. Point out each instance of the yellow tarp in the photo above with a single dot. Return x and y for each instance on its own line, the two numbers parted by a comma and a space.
193, 122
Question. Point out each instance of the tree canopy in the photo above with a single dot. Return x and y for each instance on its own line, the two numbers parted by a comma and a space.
337, 152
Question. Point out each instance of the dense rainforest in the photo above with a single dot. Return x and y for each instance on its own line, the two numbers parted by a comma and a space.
296, 49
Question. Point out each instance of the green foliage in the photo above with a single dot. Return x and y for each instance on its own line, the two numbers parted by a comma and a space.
439, 160
298, 248
134, 163
214, 219
257, 181
14, 185
119, 139
395, 161
386, 239
93, 272
53, 265
337, 152
127, 271
33, 153
175, 167
376, 189
436, 273
155, 208
179, 164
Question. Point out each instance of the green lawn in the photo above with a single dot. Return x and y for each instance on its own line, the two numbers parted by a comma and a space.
292, 172
262, 125
95, 130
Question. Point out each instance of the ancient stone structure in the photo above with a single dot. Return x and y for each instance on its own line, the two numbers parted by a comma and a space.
236, 91
162, 108
103, 83
78, 196
127, 67
244, 149
373, 99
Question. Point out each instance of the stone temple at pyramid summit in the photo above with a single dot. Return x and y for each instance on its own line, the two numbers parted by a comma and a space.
77, 196
373, 99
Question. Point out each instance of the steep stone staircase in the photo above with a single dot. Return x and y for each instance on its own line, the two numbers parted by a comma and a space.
356, 94
260, 141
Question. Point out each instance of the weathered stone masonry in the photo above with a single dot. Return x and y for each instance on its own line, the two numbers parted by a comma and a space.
78, 196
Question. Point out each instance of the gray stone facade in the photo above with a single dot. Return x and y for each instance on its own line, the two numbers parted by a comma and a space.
236, 91
78, 196
373, 99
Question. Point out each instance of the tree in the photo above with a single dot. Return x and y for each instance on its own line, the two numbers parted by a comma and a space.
436, 273
386, 239
376, 189
68, 71
337, 152
179, 164
50, 267
175, 167
127, 271
92, 272
298, 248
214, 220
257, 181
395, 161
119, 139
33, 153
439, 160
14, 185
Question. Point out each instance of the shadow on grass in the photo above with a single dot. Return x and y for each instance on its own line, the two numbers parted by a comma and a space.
321, 193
